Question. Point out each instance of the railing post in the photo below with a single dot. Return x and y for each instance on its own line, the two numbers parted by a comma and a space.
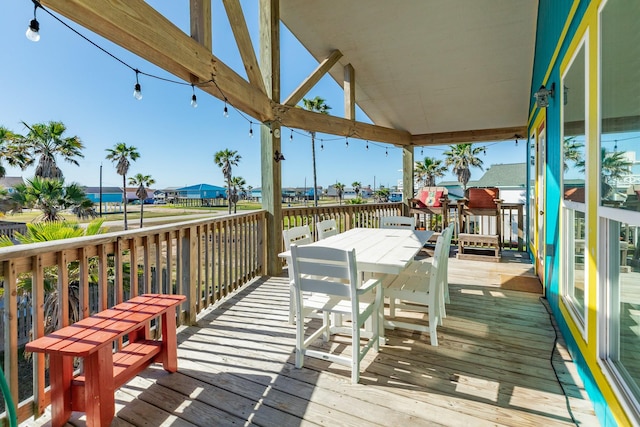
189, 260
520, 228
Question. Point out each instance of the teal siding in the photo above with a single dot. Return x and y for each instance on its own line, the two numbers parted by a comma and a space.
552, 15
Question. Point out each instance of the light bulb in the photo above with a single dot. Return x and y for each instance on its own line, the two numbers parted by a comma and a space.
226, 110
33, 31
250, 132
194, 102
137, 92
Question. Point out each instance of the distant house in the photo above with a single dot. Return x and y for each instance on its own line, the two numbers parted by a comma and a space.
133, 197
510, 178
109, 194
201, 195
10, 182
202, 191
349, 192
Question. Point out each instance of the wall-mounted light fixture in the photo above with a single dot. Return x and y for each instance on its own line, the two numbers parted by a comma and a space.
543, 94
278, 156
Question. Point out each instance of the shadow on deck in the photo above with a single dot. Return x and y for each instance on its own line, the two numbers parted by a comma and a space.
492, 366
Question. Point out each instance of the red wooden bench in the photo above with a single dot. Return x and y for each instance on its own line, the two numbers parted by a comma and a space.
104, 371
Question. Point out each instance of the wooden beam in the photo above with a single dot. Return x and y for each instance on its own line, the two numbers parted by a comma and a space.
200, 12
269, 17
300, 118
314, 78
349, 92
139, 28
462, 137
243, 40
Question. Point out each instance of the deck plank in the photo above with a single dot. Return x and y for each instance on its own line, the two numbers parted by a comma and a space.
492, 367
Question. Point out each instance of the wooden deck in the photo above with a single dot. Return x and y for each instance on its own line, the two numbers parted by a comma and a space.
492, 367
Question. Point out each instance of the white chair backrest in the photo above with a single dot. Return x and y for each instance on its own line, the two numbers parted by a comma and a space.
436, 275
398, 222
299, 235
327, 228
324, 270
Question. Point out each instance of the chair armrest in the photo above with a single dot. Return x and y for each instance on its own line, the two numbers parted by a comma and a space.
369, 285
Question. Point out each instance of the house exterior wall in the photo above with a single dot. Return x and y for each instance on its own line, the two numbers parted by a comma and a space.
561, 27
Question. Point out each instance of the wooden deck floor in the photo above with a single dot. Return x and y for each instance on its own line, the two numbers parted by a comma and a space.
492, 367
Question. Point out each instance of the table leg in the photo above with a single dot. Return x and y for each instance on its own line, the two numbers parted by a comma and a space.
99, 387
60, 374
169, 342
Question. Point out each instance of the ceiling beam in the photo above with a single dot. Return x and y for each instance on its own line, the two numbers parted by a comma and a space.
200, 13
300, 118
468, 136
243, 40
349, 92
314, 78
139, 28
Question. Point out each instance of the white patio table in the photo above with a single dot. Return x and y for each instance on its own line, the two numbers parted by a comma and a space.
378, 250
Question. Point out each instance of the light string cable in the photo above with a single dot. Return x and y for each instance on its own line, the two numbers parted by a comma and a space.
224, 98
132, 68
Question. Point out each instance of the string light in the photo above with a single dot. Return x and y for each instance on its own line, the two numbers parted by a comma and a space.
194, 101
386, 152
137, 90
347, 141
33, 30
615, 146
321, 146
367, 146
484, 150
250, 129
225, 112
291, 136
422, 151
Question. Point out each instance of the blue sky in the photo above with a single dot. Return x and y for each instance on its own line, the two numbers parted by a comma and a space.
63, 77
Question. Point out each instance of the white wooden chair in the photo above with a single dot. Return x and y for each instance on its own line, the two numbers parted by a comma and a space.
300, 235
326, 228
421, 292
398, 222
338, 291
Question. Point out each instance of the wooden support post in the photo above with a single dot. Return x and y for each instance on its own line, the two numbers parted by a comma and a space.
407, 178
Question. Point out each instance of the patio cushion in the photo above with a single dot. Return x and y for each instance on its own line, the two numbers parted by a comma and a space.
482, 198
433, 199
429, 198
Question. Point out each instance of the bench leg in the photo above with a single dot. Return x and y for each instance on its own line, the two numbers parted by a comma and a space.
60, 388
99, 388
169, 342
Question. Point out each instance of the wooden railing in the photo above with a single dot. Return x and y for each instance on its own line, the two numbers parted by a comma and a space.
9, 229
70, 279
205, 260
346, 216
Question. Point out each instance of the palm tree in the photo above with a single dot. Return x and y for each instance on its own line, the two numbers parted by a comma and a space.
382, 194
317, 105
428, 170
356, 187
9, 152
463, 157
45, 141
123, 155
237, 183
573, 151
51, 196
142, 181
615, 165
225, 159
339, 189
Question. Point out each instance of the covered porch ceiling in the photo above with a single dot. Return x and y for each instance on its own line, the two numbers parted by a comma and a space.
426, 72
430, 67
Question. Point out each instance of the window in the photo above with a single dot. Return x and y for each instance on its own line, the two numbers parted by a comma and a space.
574, 256
619, 208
